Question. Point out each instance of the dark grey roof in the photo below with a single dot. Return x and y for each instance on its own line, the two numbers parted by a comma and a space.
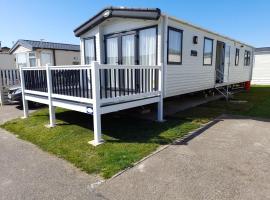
31, 44
138, 13
262, 50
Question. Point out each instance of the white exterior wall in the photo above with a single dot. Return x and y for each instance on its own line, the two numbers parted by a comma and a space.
191, 75
261, 70
7, 61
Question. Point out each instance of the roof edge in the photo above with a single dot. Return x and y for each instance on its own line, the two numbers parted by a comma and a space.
124, 12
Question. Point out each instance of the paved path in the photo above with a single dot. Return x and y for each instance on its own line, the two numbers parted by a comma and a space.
28, 173
228, 161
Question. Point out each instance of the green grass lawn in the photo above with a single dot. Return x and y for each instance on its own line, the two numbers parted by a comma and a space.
127, 139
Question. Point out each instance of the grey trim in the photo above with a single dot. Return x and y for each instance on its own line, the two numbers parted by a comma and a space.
138, 13
32, 45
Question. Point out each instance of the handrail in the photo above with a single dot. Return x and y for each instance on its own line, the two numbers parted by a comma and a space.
111, 82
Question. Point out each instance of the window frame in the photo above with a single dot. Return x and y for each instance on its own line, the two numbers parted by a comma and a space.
248, 58
168, 42
95, 51
237, 55
212, 50
32, 57
137, 48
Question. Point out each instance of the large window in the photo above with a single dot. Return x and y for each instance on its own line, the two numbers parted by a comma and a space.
208, 51
128, 49
247, 58
21, 59
174, 46
148, 46
112, 51
46, 59
236, 57
89, 50
132, 47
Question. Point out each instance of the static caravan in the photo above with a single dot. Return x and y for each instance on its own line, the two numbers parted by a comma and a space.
133, 57
31, 53
261, 69
7, 61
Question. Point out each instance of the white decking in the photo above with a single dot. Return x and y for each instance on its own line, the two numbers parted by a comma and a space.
94, 89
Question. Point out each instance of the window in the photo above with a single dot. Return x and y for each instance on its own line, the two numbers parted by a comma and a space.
207, 51
21, 60
174, 46
112, 50
236, 57
132, 47
148, 46
128, 49
247, 58
32, 59
89, 50
46, 59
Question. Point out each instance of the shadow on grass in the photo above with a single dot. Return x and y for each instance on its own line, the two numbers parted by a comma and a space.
124, 128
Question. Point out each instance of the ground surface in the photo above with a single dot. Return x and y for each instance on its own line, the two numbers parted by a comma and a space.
230, 160
27, 172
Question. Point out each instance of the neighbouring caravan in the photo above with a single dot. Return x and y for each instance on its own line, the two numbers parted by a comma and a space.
261, 69
7, 61
30, 53
133, 57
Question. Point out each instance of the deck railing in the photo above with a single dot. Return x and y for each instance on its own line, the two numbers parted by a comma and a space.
96, 82
9, 77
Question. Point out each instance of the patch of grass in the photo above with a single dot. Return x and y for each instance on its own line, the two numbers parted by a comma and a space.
127, 140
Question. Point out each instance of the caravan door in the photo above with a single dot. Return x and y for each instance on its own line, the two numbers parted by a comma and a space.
227, 63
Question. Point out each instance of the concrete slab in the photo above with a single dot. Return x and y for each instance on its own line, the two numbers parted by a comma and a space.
28, 173
230, 160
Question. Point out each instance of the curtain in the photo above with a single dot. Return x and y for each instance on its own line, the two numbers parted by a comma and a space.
128, 47
112, 50
46, 59
147, 46
175, 46
89, 48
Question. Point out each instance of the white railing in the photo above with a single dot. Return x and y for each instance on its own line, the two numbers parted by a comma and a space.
91, 83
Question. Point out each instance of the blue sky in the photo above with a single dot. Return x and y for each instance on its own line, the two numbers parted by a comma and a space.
55, 20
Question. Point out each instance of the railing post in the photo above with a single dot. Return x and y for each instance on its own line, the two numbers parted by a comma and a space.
49, 88
160, 89
24, 101
96, 105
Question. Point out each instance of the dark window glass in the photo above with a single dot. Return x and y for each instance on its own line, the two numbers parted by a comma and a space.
236, 57
208, 51
174, 46
247, 58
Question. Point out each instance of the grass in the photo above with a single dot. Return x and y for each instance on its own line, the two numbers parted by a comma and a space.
127, 140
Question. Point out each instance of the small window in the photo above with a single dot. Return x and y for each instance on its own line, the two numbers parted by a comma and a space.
207, 51
89, 50
32, 59
175, 37
247, 58
236, 57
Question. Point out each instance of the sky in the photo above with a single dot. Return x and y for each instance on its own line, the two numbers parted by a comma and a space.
55, 20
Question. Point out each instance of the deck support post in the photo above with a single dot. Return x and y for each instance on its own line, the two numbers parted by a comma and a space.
51, 107
96, 105
160, 89
24, 101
